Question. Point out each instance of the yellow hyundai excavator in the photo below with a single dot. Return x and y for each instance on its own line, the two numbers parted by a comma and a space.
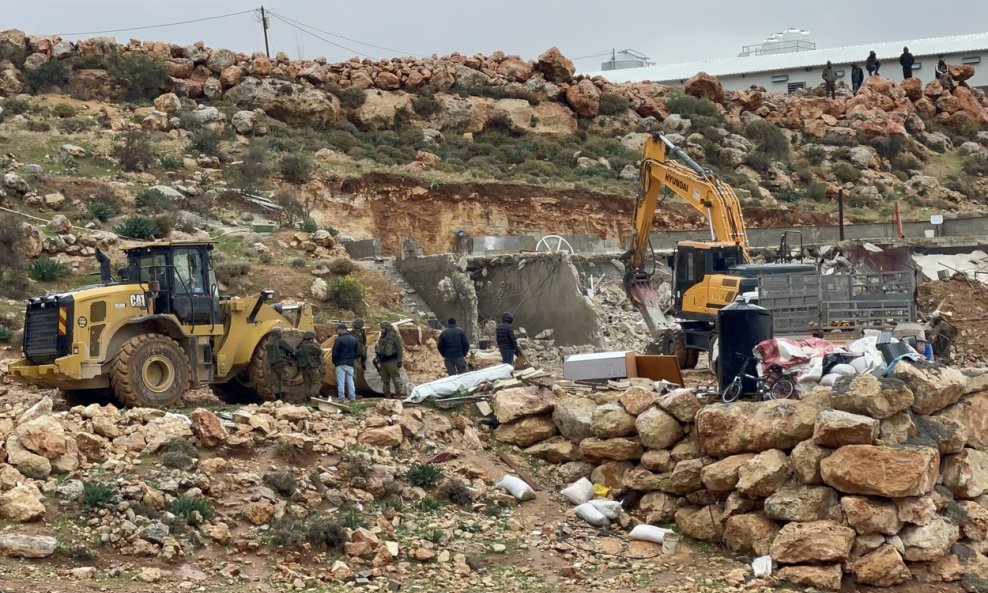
707, 275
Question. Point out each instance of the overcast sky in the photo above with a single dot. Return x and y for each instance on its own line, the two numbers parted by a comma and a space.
668, 32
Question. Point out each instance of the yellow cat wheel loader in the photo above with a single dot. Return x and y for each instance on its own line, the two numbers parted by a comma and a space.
157, 330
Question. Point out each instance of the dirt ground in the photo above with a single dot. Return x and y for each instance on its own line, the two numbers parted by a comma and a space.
967, 300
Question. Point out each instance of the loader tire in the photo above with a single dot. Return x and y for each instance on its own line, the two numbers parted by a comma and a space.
236, 391
259, 372
150, 371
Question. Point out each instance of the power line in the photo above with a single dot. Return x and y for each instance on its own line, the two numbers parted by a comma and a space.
333, 43
331, 34
208, 18
597, 55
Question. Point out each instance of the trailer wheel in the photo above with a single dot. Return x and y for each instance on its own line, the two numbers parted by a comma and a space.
151, 371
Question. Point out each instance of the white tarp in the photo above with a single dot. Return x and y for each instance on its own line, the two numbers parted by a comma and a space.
448, 386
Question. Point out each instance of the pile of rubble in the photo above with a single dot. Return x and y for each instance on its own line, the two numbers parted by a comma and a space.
886, 480
967, 302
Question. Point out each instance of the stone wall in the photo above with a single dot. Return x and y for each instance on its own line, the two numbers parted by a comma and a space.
882, 481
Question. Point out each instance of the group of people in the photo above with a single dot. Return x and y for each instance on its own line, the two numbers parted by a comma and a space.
873, 64
307, 358
454, 346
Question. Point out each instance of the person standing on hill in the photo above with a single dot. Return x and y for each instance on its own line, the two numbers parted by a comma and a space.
830, 80
345, 351
388, 359
280, 358
360, 334
906, 60
872, 64
454, 347
507, 343
309, 358
857, 77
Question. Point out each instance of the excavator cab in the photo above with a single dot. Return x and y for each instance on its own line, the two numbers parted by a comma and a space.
692, 263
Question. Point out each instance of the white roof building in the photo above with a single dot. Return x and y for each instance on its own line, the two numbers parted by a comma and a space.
787, 72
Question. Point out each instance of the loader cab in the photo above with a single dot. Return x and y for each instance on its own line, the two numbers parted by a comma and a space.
693, 260
184, 277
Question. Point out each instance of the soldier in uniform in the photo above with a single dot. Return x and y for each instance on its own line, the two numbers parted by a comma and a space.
280, 358
360, 334
309, 358
388, 359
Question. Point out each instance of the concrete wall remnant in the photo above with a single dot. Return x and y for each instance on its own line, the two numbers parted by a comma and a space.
443, 283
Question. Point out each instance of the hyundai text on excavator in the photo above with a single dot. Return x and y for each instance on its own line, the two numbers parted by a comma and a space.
160, 328
707, 275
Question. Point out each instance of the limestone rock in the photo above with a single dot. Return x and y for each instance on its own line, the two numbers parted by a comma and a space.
555, 67
815, 542
881, 471
207, 426
866, 394
835, 428
511, 404
805, 459
750, 534
947, 435
574, 417
30, 464
584, 98
610, 473
685, 477
296, 105
682, 404
871, 515
705, 86
391, 436
929, 542
19, 545
966, 474
637, 399
764, 473
722, 476
918, 510
259, 513
22, 503
882, 568
748, 427
657, 460
934, 387
612, 420
657, 429
43, 435
896, 429
972, 519
972, 412
659, 506
822, 577
555, 450
616, 449
703, 524
803, 503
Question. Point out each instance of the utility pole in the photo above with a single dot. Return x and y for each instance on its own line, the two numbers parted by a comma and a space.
840, 212
264, 25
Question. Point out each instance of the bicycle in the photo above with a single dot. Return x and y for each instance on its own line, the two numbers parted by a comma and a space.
775, 384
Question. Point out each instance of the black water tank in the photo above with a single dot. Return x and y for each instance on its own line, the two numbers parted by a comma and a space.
740, 327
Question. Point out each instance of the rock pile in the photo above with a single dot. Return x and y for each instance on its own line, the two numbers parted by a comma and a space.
885, 480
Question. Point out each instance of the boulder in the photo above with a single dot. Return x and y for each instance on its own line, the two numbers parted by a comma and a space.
30, 464
584, 98
638, 399
285, 101
511, 404
882, 568
527, 431
684, 479
960, 72
935, 387
555, 450
378, 111
722, 476
168, 103
803, 503
871, 515
764, 473
682, 404
966, 474
574, 417
22, 503
616, 449
918, 510
610, 473
814, 542
703, 85
248, 122
207, 426
913, 88
750, 534
554, 66
972, 412
515, 69
657, 429
896, 429
821, 577
657, 460
659, 507
612, 420
924, 543
835, 428
972, 518
881, 471
391, 436
805, 459
19, 545
703, 523
749, 427
639, 478
868, 395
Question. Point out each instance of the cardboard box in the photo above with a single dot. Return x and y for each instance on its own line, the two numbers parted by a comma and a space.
599, 366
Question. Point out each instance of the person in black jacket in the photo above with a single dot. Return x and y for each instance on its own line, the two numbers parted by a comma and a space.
906, 60
345, 353
506, 341
454, 347
872, 64
857, 77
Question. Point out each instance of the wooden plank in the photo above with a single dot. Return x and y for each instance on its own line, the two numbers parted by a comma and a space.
522, 473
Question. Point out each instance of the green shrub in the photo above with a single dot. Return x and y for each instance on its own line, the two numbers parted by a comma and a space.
100, 211
138, 227
350, 517
255, 167
229, 272
63, 110
46, 270
140, 75
905, 162
171, 163
152, 199
427, 504
342, 266
846, 172
315, 529
176, 460
97, 495
134, 151
193, 510
815, 154
788, 195
976, 165
423, 475
292, 209
76, 125
36, 125
50, 74
308, 225
758, 160
456, 492
688, 106
426, 106
296, 168
350, 98
816, 192
16, 54
888, 146
597, 171
299, 262
613, 104
346, 292
6, 333
180, 445
284, 483
166, 223
16, 106
771, 141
